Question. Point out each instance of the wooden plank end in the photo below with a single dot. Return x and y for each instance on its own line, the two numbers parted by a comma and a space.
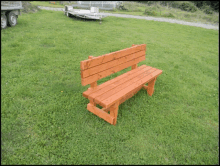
102, 114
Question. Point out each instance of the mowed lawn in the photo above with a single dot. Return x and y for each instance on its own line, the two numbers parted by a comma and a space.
44, 119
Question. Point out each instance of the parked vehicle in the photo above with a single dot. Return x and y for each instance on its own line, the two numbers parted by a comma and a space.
93, 13
9, 13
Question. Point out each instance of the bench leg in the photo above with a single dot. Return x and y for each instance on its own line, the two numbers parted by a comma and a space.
99, 112
150, 87
114, 112
92, 103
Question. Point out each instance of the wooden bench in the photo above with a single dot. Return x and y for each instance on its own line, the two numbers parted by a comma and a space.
112, 93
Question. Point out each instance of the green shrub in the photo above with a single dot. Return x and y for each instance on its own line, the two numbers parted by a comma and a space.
136, 10
183, 5
207, 10
168, 15
150, 12
187, 6
131, 7
207, 18
29, 8
122, 8
187, 15
173, 4
151, 3
76, 7
155, 7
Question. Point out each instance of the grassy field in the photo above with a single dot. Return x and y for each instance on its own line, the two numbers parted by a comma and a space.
44, 119
134, 8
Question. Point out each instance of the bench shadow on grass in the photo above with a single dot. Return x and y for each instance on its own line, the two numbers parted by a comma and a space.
84, 19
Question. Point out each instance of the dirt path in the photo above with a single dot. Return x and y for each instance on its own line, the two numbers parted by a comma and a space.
207, 26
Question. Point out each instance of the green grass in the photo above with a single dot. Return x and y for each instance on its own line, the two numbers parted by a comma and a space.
156, 10
44, 119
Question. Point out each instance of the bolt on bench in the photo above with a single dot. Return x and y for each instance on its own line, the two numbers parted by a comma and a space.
112, 93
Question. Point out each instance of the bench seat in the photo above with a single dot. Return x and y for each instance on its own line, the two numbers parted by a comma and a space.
122, 87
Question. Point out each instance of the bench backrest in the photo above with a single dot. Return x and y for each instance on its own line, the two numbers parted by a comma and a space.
99, 67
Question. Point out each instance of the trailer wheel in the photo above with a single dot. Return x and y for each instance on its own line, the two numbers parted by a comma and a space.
12, 19
3, 21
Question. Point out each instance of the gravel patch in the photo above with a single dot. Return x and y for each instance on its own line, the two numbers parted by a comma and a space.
207, 26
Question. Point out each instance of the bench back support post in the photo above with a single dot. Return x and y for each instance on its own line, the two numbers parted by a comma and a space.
90, 57
94, 84
134, 66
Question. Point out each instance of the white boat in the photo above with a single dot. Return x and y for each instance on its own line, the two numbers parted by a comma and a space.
93, 13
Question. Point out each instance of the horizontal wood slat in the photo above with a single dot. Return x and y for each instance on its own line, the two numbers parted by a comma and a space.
111, 56
112, 81
124, 83
110, 64
97, 76
124, 92
130, 94
118, 82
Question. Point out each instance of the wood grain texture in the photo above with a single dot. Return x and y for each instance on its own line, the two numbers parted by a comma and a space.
117, 96
120, 83
112, 81
129, 95
145, 87
110, 64
124, 84
150, 89
114, 112
102, 114
111, 56
97, 76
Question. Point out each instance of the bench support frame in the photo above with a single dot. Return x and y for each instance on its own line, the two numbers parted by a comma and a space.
150, 87
113, 109
103, 113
